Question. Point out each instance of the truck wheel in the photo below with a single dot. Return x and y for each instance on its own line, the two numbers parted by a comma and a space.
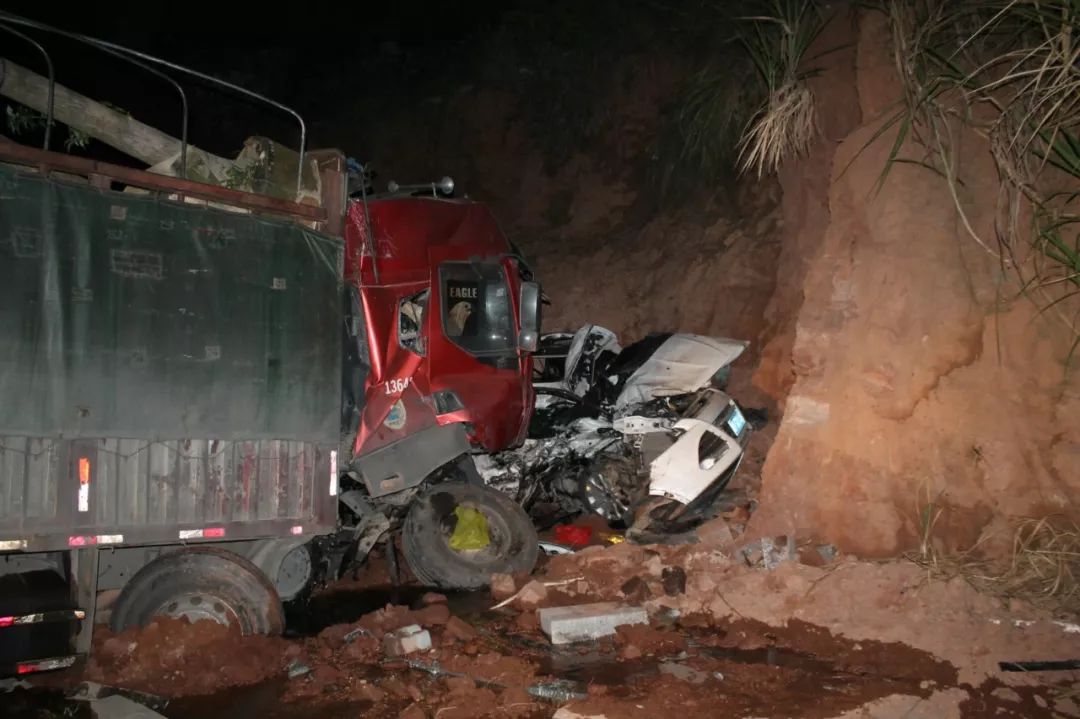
201, 583
431, 521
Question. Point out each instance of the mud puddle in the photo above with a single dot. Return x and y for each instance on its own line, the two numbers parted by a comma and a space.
596, 667
346, 605
746, 667
39, 703
261, 701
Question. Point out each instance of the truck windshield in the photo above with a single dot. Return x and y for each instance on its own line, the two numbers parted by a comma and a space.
476, 311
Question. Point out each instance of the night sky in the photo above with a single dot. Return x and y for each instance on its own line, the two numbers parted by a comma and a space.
315, 60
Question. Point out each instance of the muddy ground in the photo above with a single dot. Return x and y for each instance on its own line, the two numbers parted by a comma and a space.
843, 639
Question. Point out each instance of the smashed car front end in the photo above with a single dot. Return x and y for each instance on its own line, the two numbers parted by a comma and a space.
707, 450
618, 428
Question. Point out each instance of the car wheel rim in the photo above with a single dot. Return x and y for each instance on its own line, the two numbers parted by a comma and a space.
602, 500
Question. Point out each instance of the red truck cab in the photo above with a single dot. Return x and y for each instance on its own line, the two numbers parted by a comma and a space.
442, 318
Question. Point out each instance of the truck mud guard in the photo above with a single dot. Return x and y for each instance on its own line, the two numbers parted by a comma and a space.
406, 463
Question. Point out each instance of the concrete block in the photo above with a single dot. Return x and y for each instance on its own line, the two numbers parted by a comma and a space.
588, 621
406, 641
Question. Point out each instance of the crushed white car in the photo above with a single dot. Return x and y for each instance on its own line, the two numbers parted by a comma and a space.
620, 429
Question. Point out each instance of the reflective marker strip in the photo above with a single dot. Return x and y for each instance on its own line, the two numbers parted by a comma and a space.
91, 540
297, 529
84, 484
333, 473
209, 532
40, 617
45, 665
12, 545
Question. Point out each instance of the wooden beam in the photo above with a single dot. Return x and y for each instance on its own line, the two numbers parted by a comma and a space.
116, 129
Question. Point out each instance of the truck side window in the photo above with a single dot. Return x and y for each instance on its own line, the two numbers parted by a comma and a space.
476, 308
411, 311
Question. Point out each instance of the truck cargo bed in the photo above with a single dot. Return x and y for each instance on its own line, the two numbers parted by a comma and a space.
168, 370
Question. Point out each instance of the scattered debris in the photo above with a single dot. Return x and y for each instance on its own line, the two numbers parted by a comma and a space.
674, 581
550, 548
471, 530
91, 691
406, 641
355, 634
503, 586
565, 713
588, 621
573, 535
533, 592
297, 669
1046, 666
120, 707
683, 672
413, 711
767, 553
555, 692
457, 628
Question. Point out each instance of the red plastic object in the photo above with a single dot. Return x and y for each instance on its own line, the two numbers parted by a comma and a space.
572, 535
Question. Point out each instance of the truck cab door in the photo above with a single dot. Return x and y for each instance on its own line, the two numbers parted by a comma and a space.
477, 373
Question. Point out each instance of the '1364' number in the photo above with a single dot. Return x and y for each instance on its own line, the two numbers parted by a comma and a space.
397, 386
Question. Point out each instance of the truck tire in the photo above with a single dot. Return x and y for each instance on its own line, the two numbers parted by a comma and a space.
431, 520
201, 583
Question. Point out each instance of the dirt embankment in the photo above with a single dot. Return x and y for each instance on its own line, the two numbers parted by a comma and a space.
917, 371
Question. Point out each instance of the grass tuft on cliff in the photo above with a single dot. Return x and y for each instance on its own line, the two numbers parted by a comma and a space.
785, 124
1010, 70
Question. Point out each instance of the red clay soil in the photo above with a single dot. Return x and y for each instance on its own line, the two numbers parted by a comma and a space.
798, 641
912, 369
173, 657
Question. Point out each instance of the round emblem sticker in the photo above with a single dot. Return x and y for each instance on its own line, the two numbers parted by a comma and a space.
396, 417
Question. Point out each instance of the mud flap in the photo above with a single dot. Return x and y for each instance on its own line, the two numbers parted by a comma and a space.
408, 462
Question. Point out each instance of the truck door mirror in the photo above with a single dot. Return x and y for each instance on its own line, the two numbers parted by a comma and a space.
529, 317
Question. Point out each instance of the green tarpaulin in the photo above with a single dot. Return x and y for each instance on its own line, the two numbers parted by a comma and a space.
130, 316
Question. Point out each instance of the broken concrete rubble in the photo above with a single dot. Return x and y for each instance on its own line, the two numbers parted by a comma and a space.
406, 640
683, 672
457, 628
297, 669
532, 595
503, 586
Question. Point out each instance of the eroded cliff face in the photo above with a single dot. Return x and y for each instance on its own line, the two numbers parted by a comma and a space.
916, 371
